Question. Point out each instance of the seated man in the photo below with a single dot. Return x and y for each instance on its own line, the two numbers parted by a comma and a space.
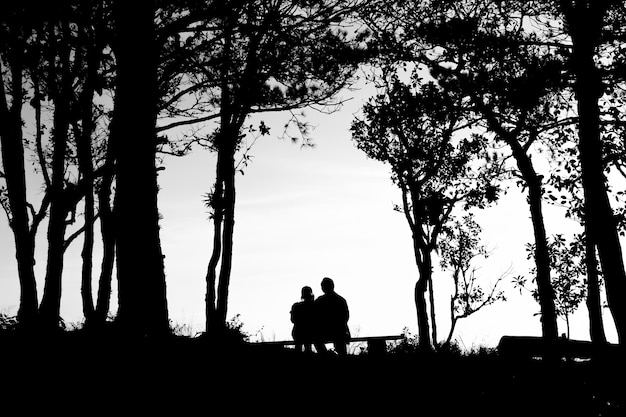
332, 314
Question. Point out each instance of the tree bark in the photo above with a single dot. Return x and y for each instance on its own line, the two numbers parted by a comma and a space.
50, 308
142, 303
431, 301
15, 177
594, 305
107, 231
422, 313
542, 261
453, 317
211, 278
422, 260
424, 267
85, 163
229, 225
533, 181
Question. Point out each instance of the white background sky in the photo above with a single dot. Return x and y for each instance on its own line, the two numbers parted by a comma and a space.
303, 214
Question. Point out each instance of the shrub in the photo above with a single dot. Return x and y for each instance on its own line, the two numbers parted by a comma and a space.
7, 322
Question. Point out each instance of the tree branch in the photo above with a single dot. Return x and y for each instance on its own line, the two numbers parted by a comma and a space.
77, 233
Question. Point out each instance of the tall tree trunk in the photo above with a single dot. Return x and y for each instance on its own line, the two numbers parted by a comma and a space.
431, 301
87, 252
15, 177
542, 261
584, 23
422, 313
229, 225
594, 305
549, 327
412, 216
85, 164
525, 166
217, 198
422, 258
107, 232
142, 303
50, 307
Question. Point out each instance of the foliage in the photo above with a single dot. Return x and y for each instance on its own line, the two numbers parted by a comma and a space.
567, 264
252, 57
235, 331
459, 247
182, 329
8, 323
408, 345
415, 128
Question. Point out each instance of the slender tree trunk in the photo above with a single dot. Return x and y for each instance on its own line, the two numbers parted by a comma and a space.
85, 163
217, 198
87, 256
142, 303
424, 269
50, 307
431, 300
585, 22
107, 231
451, 332
229, 225
422, 313
453, 318
542, 262
411, 213
545, 290
15, 177
594, 305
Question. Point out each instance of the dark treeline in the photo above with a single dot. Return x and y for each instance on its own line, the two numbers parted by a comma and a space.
529, 79
113, 78
469, 95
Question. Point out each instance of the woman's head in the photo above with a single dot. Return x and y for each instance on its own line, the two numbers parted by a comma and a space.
307, 293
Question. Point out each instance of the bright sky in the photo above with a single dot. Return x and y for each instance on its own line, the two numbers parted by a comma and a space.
303, 214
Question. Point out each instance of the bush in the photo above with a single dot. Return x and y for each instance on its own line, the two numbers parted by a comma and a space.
408, 344
8, 323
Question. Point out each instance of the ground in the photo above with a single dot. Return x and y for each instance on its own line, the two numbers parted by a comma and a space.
189, 376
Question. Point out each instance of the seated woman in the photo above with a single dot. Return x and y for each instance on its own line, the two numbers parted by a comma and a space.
303, 321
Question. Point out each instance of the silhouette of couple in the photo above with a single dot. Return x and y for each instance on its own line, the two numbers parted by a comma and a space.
320, 321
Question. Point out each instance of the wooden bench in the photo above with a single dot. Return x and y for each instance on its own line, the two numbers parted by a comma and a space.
528, 347
376, 345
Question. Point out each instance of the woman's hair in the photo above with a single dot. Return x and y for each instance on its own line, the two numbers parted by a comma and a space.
307, 293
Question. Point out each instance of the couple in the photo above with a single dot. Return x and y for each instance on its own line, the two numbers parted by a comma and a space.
320, 321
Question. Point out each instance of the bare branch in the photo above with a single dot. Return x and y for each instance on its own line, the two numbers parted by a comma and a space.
187, 122
77, 233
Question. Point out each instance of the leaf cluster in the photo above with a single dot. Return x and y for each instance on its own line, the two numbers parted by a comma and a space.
569, 271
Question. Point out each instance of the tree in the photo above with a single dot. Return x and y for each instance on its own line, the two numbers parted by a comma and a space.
57, 76
61, 71
459, 247
479, 49
142, 304
15, 26
565, 190
416, 129
252, 57
584, 23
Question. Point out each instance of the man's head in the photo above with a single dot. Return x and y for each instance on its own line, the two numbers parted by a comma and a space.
327, 285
